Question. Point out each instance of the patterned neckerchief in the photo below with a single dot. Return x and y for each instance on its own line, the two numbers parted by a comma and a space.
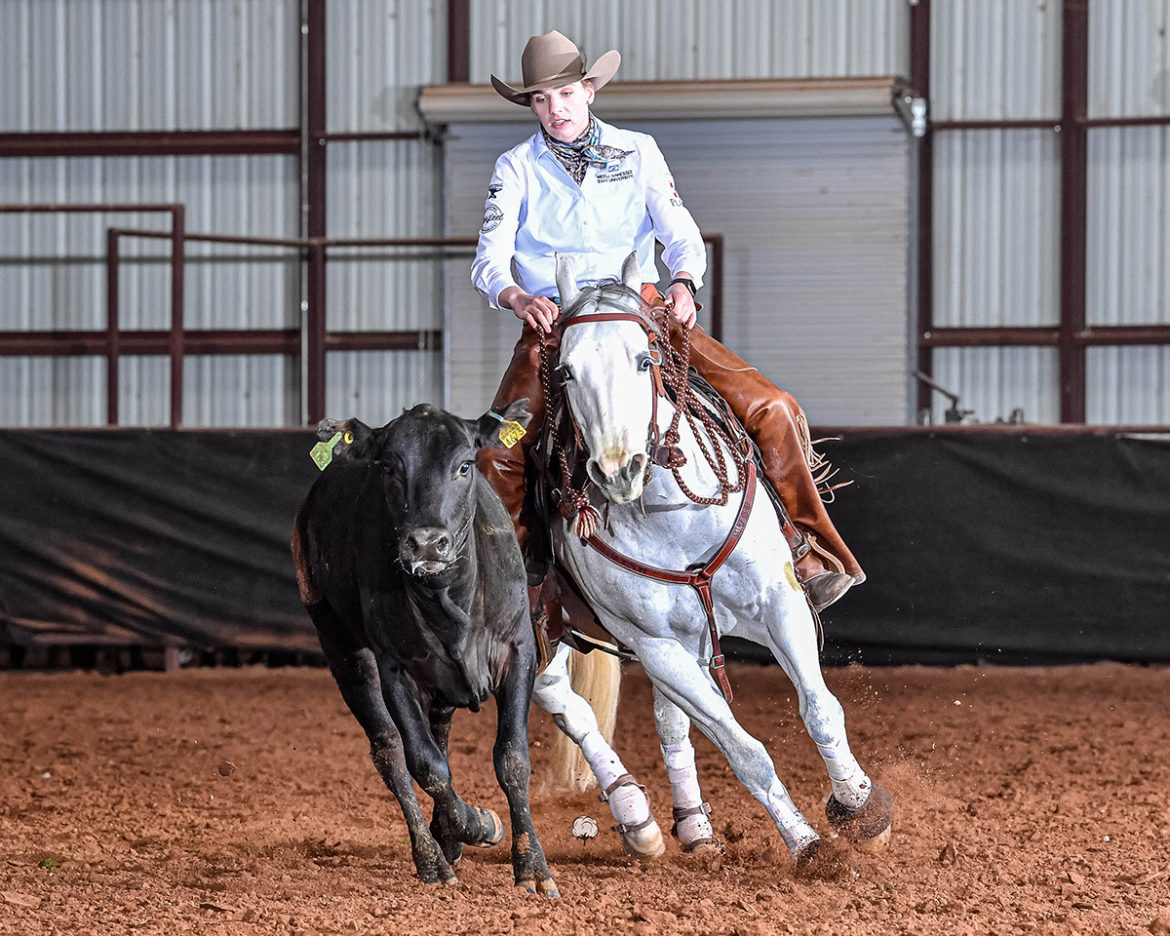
578, 155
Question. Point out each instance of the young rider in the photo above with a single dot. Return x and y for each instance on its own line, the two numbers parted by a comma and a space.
583, 187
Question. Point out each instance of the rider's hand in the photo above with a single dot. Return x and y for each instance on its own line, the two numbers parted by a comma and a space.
681, 304
537, 311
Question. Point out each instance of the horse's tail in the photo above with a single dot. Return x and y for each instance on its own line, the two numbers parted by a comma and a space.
597, 678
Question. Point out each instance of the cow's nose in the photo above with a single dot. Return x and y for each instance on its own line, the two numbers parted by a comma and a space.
429, 544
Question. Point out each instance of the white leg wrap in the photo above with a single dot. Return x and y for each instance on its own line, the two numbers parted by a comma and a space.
850, 784
603, 759
680, 768
794, 828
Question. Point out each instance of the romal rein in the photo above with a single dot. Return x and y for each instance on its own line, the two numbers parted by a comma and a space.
696, 576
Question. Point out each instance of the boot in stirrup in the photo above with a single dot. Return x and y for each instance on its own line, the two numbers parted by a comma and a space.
823, 576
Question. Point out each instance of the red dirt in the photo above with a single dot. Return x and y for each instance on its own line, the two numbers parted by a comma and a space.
220, 801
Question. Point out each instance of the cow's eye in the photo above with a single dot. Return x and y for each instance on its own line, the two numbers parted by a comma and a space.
465, 469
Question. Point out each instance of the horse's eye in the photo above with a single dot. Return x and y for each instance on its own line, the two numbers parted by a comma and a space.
465, 469
644, 362
565, 373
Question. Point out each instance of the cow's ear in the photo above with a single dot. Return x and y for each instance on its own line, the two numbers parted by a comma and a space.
353, 437
502, 429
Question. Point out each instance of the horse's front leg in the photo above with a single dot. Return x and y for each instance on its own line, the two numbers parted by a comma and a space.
628, 803
692, 823
859, 809
677, 674
513, 770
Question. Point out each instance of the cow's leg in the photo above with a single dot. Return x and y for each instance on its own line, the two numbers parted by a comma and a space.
356, 672
466, 824
692, 825
513, 769
627, 799
428, 764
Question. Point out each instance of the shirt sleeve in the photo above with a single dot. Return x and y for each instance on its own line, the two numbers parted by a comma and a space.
491, 271
675, 229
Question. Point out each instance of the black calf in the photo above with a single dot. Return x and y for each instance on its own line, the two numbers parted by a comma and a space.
409, 568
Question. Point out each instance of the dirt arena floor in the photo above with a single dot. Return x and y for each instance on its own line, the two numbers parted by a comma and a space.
243, 801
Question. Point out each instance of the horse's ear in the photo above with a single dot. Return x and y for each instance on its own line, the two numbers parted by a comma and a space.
632, 272
566, 279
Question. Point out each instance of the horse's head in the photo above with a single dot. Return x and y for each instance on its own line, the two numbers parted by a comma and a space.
605, 365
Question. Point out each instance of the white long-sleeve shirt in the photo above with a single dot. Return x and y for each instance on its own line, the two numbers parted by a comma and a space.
534, 210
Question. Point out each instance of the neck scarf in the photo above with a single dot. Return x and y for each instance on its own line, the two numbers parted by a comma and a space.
577, 156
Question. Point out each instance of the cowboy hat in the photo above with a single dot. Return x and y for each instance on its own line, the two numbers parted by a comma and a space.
551, 61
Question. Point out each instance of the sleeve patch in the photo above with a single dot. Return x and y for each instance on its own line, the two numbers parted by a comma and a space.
492, 216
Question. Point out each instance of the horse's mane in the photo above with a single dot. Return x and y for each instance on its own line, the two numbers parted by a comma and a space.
610, 295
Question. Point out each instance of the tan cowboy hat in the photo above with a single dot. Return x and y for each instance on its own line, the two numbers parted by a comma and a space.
552, 60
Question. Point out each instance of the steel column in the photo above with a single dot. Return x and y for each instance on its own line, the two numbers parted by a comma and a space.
924, 220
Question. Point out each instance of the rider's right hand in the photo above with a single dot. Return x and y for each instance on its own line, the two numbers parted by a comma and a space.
539, 312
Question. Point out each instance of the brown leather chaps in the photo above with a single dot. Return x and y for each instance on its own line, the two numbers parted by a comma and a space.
771, 416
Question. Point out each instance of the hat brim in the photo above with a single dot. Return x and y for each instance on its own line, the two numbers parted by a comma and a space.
602, 71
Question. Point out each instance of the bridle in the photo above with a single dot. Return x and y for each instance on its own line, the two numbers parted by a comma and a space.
663, 451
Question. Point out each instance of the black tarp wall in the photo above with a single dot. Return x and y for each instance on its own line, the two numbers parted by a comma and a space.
1003, 545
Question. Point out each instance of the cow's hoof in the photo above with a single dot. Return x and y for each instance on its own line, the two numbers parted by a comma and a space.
868, 828
546, 886
495, 826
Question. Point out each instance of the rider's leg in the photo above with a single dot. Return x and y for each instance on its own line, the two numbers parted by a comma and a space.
776, 422
504, 467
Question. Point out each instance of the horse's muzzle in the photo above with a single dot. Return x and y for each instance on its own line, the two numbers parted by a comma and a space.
622, 485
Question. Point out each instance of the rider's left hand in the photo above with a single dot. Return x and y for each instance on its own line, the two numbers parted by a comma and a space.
681, 304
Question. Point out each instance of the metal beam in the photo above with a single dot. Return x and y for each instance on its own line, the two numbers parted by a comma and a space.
924, 219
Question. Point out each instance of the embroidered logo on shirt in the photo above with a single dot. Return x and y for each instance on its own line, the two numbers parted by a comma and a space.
611, 176
675, 197
492, 216
493, 188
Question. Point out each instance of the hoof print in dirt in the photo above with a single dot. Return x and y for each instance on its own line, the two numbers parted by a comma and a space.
868, 828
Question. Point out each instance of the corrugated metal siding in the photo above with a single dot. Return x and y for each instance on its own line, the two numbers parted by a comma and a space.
52, 276
815, 219
1129, 385
1128, 250
380, 53
995, 59
994, 381
42, 391
996, 228
662, 40
384, 189
148, 64
1129, 58
376, 385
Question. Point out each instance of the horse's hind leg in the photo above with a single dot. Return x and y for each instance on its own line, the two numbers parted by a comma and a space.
462, 824
627, 800
356, 673
861, 811
692, 825
678, 676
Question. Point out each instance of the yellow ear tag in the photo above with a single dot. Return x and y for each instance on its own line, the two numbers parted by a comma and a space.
322, 452
511, 432
347, 438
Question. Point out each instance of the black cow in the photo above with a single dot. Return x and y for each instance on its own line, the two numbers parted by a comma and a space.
410, 569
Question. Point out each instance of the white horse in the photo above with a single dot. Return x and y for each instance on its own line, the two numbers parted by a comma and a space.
606, 370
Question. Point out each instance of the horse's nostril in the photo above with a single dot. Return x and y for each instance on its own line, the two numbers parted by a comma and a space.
636, 466
594, 471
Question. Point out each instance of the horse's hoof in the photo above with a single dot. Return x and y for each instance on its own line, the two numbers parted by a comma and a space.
496, 835
868, 828
703, 847
643, 841
692, 828
806, 854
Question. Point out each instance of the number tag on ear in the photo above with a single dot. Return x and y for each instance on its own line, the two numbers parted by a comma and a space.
322, 452
511, 432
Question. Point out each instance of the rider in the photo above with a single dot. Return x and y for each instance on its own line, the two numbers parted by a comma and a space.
583, 187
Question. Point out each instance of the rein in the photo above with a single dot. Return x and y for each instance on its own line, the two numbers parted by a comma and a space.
669, 371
